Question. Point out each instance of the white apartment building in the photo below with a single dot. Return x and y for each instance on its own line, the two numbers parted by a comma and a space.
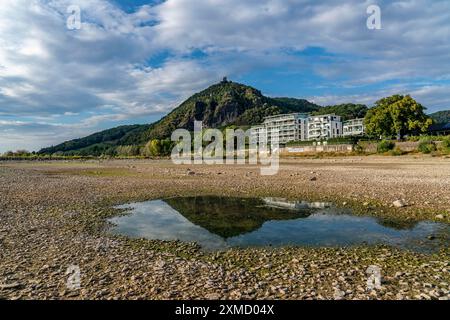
295, 205
353, 127
302, 127
259, 133
287, 127
324, 127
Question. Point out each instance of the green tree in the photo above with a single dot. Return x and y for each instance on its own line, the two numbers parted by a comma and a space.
347, 110
396, 115
166, 147
154, 148
127, 151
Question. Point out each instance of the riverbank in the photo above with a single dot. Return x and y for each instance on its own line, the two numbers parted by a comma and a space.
53, 216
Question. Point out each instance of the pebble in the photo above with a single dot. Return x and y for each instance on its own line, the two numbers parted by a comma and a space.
399, 203
33, 264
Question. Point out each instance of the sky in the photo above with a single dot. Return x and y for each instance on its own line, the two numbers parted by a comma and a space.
132, 62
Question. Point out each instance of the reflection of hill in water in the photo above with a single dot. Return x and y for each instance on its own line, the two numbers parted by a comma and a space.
397, 224
229, 217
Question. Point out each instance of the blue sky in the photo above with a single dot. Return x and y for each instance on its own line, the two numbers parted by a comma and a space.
134, 61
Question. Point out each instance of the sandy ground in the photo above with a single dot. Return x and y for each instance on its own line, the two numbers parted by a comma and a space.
53, 215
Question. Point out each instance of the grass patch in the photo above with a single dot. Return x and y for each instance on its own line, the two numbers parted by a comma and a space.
385, 146
426, 146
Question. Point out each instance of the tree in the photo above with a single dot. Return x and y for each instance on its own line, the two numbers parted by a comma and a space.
154, 147
127, 151
396, 115
347, 111
166, 147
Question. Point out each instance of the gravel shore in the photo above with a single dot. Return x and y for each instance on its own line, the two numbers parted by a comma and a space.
52, 216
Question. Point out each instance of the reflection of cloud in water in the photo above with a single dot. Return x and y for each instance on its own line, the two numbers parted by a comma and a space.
157, 220
333, 230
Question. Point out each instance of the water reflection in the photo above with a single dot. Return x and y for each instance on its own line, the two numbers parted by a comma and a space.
295, 205
221, 222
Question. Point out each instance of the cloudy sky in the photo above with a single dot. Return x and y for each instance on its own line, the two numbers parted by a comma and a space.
133, 61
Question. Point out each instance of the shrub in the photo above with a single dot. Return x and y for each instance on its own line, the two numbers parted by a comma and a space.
446, 143
385, 146
427, 137
413, 138
397, 152
426, 146
157, 148
127, 151
359, 149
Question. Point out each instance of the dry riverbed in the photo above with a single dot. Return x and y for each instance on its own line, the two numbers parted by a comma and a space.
52, 216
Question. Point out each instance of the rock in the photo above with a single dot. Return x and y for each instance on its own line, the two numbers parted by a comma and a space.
338, 294
399, 203
313, 179
440, 216
72, 294
13, 285
212, 296
425, 296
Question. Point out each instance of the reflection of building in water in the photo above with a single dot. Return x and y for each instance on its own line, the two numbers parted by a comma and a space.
295, 205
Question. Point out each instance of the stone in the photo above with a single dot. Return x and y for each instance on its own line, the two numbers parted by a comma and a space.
313, 179
212, 296
338, 294
13, 285
399, 203
439, 216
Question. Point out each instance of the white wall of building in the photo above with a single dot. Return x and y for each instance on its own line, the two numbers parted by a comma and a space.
301, 127
324, 127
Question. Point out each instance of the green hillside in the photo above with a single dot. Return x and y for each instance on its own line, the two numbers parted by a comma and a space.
103, 142
441, 116
223, 104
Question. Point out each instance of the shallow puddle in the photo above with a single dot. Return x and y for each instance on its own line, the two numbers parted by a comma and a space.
222, 222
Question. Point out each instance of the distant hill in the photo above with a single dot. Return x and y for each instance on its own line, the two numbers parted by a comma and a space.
223, 104
101, 142
441, 116
346, 111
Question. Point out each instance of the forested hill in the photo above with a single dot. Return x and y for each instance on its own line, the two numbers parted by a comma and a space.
101, 142
223, 104
346, 111
441, 116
